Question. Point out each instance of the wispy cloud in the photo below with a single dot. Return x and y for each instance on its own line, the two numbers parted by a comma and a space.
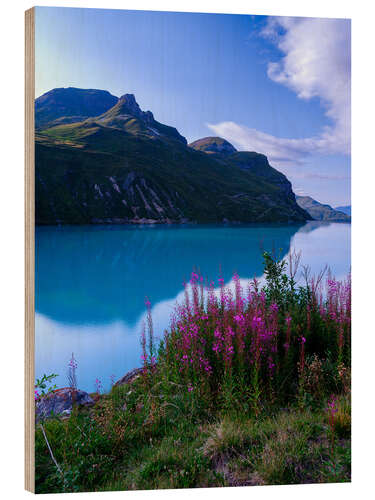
322, 177
316, 62
300, 192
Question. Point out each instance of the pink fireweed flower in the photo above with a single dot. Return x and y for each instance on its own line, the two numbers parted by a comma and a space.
271, 365
257, 320
240, 319
73, 363
98, 385
218, 334
288, 321
238, 292
194, 330
190, 388
274, 307
194, 278
204, 364
143, 345
332, 286
230, 331
217, 347
229, 350
331, 405
257, 323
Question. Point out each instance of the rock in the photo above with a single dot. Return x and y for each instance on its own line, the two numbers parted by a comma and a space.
60, 402
129, 377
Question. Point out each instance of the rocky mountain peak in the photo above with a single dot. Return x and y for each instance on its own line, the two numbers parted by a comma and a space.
128, 104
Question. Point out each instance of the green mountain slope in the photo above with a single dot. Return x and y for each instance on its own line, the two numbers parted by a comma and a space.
125, 167
67, 105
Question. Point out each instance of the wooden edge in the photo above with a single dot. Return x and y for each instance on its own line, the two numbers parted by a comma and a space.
29, 249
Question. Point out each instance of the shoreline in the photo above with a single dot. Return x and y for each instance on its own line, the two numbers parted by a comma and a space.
141, 223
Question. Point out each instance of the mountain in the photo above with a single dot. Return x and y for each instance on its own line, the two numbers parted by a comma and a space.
68, 105
123, 166
347, 209
127, 115
319, 211
251, 162
213, 145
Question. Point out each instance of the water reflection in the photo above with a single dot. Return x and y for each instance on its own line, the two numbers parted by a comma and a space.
101, 274
91, 282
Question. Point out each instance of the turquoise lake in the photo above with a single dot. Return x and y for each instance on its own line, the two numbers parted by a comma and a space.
91, 283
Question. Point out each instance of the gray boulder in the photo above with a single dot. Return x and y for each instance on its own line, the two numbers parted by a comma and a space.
129, 377
60, 402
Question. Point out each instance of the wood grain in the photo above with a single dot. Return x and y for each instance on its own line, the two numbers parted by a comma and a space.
29, 249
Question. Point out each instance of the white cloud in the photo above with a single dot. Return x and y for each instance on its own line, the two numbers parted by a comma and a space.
278, 150
316, 63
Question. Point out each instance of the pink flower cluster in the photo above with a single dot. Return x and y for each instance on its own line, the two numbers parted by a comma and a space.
216, 333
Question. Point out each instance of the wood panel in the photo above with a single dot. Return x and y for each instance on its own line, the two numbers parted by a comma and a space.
29, 249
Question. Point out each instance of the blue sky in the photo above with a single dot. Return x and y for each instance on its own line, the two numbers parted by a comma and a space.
279, 86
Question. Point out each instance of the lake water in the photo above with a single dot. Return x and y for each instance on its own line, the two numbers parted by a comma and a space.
91, 283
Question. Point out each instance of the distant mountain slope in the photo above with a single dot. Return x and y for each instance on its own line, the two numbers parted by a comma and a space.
70, 104
123, 166
319, 211
347, 209
251, 162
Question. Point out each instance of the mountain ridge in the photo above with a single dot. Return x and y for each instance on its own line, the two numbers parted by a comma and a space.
321, 211
71, 103
346, 209
123, 166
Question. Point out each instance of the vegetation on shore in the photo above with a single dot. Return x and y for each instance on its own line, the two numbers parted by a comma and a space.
247, 387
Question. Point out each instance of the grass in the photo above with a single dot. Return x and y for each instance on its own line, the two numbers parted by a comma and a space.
245, 389
289, 447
